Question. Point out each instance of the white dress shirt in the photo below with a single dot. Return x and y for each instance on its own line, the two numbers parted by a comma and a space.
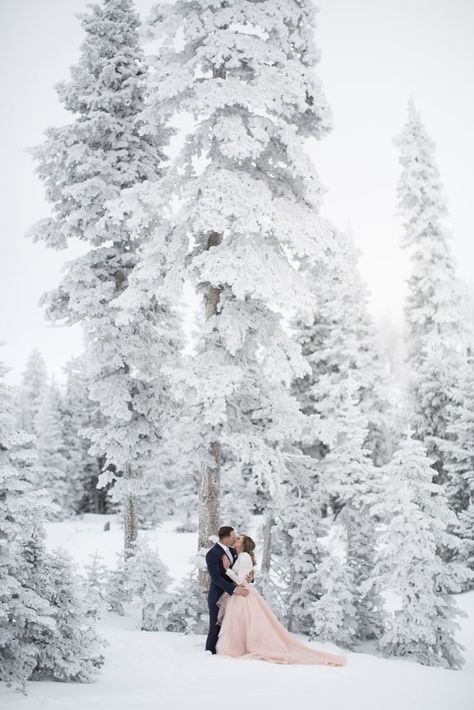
227, 551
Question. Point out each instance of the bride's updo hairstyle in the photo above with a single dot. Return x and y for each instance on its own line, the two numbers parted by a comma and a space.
249, 546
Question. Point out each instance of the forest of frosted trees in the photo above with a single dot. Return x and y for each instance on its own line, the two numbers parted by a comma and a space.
287, 414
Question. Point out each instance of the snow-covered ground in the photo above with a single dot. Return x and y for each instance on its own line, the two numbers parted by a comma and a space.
145, 670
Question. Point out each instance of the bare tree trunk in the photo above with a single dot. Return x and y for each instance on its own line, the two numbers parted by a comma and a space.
267, 543
210, 473
209, 504
130, 518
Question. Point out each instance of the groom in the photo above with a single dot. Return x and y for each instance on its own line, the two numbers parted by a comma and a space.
220, 582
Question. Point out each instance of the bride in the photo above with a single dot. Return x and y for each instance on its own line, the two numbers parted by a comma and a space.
249, 628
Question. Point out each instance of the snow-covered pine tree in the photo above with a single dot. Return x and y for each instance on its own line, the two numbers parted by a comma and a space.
185, 609
465, 531
434, 324
34, 380
85, 166
23, 509
179, 487
117, 593
52, 452
150, 308
345, 397
43, 627
139, 579
79, 413
350, 483
458, 452
147, 580
236, 504
341, 338
334, 615
96, 581
248, 203
185, 501
408, 561
458, 446
296, 551
369, 366
71, 649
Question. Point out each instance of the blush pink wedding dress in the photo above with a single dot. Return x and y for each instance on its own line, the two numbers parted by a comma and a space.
250, 630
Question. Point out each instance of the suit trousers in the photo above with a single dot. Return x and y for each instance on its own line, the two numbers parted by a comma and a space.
214, 627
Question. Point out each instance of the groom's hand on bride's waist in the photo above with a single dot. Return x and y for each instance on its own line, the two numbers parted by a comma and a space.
241, 591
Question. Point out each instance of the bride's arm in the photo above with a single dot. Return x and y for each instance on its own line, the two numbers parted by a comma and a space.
245, 566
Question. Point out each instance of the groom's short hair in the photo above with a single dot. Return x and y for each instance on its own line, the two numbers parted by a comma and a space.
225, 532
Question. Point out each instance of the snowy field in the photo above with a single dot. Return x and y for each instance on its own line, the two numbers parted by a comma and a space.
145, 670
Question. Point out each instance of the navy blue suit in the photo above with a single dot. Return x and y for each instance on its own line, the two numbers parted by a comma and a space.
220, 583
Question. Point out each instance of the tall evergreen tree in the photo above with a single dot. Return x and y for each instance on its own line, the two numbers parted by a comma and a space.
34, 381
342, 339
409, 563
86, 165
346, 398
351, 483
298, 551
248, 208
52, 459
434, 325
150, 305
83, 468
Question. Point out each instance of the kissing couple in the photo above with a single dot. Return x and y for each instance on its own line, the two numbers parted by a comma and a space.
241, 624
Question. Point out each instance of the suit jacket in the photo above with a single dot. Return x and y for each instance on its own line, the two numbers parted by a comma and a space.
220, 582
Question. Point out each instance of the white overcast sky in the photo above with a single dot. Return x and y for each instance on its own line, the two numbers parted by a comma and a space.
374, 54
